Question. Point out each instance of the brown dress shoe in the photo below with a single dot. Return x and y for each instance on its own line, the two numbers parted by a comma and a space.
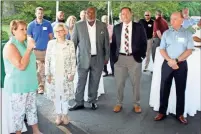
159, 117
117, 108
182, 120
137, 109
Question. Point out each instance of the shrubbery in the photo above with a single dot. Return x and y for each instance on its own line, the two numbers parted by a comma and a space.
4, 36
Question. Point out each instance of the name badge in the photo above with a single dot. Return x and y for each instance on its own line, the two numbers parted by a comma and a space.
149, 25
181, 40
44, 28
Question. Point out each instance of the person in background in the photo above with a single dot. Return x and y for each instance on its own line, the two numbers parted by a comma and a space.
160, 26
197, 35
128, 48
147, 23
70, 22
188, 22
82, 15
61, 19
176, 46
41, 31
104, 19
21, 77
60, 70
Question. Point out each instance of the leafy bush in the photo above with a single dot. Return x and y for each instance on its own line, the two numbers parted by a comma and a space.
4, 36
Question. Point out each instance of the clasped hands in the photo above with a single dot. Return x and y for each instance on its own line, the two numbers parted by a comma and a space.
173, 64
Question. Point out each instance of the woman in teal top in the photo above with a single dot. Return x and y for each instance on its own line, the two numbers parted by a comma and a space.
21, 77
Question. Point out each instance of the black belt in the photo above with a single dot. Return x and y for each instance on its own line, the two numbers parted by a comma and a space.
93, 55
126, 54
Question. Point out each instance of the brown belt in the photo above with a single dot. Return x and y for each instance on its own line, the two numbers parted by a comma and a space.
126, 54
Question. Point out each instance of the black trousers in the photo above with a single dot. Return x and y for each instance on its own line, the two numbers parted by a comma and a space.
105, 69
180, 76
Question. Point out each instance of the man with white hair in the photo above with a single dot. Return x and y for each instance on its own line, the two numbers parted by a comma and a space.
175, 47
188, 22
82, 15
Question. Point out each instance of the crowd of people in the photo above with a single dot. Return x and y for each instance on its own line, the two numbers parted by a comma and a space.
43, 57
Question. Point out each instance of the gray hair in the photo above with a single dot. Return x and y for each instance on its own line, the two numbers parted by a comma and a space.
69, 19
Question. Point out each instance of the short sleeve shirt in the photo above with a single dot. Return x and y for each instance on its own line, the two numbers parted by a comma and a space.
40, 33
176, 42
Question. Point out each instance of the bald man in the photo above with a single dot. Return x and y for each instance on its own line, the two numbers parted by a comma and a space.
91, 38
147, 23
82, 15
176, 46
61, 19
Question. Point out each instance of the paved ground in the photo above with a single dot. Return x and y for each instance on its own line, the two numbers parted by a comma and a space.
104, 121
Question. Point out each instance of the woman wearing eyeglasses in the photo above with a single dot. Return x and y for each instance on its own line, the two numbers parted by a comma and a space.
60, 64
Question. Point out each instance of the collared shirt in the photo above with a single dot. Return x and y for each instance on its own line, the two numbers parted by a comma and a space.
188, 23
176, 42
68, 37
40, 33
122, 49
161, 25
92, 37
148, 26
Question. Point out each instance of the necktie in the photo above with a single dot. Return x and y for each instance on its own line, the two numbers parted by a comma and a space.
126, 46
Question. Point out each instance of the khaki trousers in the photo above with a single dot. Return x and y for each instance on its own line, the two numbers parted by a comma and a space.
126, 65
40, 64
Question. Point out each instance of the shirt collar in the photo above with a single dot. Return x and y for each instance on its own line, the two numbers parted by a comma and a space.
181, 29
93, 24
37, 22
129, 24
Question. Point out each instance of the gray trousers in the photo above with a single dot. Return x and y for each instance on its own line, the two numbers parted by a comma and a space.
156, 43
148, 52
125, 66
95, 71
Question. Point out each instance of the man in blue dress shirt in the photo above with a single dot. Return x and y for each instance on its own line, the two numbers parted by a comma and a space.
176, 46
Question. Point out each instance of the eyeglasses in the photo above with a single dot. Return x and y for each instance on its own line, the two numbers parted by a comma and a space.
59, 31
146, 15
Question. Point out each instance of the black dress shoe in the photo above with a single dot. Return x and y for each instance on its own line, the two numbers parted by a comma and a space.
105, 75
76, 107
94, 106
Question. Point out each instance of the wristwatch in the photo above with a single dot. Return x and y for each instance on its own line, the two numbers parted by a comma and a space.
177, 60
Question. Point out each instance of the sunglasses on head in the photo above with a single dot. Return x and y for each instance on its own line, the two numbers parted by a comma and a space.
146, 15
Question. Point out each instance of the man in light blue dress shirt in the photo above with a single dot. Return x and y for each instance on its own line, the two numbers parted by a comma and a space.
176, 45
187, 22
